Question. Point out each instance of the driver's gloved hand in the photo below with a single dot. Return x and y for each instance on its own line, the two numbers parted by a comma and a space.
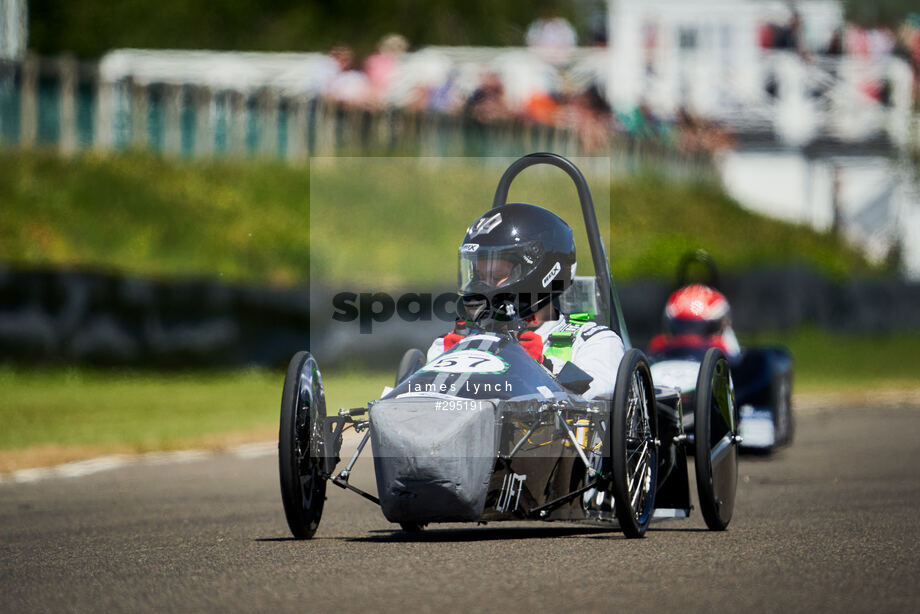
531, 342
452, 339
460, 331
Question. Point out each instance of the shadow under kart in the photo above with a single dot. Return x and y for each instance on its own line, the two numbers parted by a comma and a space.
485, 433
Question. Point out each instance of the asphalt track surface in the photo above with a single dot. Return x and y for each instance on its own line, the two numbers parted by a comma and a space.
829, 524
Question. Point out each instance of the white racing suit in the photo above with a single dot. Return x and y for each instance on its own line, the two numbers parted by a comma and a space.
595, 349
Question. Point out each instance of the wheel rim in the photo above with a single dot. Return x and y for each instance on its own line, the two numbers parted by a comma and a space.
716, 444
782, 411
640, 450
308, 439
723, 455
302, 464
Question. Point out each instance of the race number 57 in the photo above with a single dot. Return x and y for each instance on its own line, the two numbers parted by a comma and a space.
468, 361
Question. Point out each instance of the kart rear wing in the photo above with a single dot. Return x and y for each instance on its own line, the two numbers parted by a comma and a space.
608, 299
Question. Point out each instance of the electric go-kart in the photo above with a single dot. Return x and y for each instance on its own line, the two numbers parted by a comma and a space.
484, 432
762, 375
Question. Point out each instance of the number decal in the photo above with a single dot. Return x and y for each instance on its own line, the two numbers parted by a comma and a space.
468, 361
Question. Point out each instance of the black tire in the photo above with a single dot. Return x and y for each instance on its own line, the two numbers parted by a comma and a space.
303, 409
716, 418
412, 527
412, 361
781, 404
633, 431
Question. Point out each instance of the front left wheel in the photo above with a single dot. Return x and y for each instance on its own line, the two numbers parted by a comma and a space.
412, 361
300, 446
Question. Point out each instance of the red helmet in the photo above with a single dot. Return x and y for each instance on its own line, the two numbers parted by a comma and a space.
696, 310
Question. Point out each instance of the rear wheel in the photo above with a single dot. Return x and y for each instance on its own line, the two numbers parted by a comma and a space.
716, 418
633, 466
300, 446
781, 401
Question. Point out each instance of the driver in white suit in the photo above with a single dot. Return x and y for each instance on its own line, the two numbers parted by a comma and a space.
524, 251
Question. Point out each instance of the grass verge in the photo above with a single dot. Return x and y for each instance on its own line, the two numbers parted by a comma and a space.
57, 415
849, 364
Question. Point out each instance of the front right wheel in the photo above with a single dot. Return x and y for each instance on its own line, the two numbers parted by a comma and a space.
633, 445
715, 426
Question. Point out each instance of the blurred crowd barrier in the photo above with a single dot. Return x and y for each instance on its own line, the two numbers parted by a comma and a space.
448, 101
296, 105
793, 71
74, 316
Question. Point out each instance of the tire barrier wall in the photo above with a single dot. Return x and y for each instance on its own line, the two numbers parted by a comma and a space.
110, 319
72, 316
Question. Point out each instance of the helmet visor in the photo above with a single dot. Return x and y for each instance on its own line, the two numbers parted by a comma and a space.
486, 268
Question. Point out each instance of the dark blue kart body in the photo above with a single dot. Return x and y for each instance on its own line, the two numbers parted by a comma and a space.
763, 384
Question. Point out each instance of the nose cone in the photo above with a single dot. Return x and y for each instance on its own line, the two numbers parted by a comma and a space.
432, 464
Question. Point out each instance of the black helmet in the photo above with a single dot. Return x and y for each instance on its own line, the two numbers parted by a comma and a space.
516, 258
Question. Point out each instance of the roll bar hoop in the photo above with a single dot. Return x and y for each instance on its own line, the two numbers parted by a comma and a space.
609, 303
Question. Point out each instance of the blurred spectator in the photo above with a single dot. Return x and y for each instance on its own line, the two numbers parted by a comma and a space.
649, 46
541, 108
697, 135
487, 102
420, 77
552, 38
871, 45
765, 35
641, 122
778, 35
880, 42
790, 35
856, 41
835, 45
908, 46
381, 66
447, 97
597, 26
592, 119
516, 88
349, 87
418, 98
